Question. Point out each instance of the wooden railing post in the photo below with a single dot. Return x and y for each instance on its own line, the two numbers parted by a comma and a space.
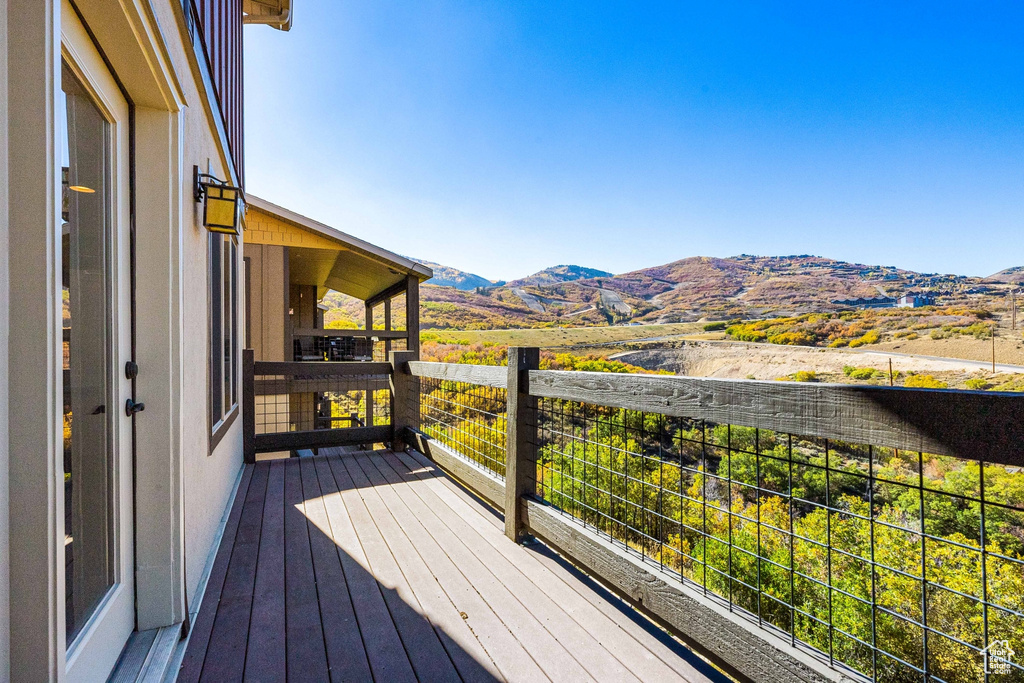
405, 399
521, 436
368, 393
248, 406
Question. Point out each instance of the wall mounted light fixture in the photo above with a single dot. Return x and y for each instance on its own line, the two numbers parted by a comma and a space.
220, 202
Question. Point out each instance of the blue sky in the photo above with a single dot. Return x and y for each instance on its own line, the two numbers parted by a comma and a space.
503, 137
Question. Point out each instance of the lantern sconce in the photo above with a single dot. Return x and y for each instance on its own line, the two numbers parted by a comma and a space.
220, 202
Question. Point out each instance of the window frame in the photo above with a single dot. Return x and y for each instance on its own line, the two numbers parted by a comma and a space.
223, 355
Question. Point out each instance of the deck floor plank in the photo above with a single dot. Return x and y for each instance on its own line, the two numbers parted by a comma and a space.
426, 653
266, 655
576, 639
508, 654
552, 656
384, 649
346, 654
225, 658
377, 566
646, 655
467, 654
307, 657
199, 636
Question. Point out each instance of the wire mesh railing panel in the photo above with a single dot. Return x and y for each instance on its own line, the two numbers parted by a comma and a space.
467, 418
289, 403
381, 348
900, 565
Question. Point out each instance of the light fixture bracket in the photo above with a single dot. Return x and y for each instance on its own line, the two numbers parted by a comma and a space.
220, 202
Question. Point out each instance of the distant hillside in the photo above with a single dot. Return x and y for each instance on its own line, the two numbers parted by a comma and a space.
1013, 275
556, 274
691, 289
446, 276
700, 287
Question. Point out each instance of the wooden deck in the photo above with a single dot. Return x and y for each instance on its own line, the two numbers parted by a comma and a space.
375, 566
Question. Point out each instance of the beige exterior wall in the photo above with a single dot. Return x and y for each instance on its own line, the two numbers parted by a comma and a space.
183, 488
5, 563
267, 304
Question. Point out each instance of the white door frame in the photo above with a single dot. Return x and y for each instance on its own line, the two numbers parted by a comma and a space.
130, 37
94, 652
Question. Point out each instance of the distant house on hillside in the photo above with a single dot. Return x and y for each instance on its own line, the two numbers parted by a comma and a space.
915, 301
864, 302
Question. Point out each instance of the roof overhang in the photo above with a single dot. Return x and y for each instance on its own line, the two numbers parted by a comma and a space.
330, 259
274, 13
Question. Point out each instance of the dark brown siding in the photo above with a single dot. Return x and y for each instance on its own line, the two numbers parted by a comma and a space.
216, 26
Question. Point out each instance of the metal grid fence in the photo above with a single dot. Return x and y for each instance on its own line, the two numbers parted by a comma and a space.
381, 347
304, 404
467, 418
899, 565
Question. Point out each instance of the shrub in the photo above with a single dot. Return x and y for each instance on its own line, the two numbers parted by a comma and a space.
924, 382
976, 383
869, 337
979, 330
938, 334
861, 373
795, 338
836, 343
805, 376
711, 327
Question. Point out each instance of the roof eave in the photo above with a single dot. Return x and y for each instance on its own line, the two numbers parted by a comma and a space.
408, 266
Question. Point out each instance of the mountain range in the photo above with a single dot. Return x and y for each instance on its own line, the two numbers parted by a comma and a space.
700, 287
689, 289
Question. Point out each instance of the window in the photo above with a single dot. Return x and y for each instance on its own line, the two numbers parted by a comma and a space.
223, 333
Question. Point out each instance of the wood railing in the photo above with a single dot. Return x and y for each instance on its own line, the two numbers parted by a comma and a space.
652, 483
292, 407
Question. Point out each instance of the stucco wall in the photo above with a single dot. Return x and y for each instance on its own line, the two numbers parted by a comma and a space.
208, 477
5, 566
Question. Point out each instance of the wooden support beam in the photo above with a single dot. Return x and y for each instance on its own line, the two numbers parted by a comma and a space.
412, 314
387, 327
248, 407
368, 389
347, 334
389, 293
484, 375
321, 369
405, 399
318, 438
521, 436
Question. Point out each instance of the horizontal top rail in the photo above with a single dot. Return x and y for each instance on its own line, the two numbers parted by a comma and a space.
976, 425
484, 375
350, 334
320, 368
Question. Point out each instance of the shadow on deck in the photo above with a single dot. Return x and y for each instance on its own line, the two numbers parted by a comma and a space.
376, 566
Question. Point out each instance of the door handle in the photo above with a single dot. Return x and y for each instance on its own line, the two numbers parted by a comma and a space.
131, 407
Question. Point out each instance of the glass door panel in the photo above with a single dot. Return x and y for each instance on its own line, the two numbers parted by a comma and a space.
89, 409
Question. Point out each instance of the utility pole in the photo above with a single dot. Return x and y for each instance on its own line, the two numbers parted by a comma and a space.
993, 348
1013, 309
890, 372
